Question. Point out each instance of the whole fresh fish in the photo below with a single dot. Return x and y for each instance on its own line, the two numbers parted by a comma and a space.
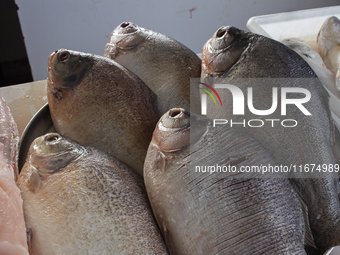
328, 40
9, 137
80, 200
97, 102
218, 212
13, 240
248, 60
164, 64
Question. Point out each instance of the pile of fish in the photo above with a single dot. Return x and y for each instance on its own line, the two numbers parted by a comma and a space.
118, 176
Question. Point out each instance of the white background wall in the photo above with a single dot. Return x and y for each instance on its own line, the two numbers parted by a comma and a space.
85, 25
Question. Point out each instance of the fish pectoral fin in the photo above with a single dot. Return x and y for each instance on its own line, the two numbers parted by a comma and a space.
337, 80
29, 235
309, 240
34, 181
239, 160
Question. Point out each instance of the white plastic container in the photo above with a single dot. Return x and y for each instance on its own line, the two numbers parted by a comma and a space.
304, 24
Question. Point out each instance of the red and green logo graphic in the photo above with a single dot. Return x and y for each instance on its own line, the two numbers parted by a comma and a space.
209, 93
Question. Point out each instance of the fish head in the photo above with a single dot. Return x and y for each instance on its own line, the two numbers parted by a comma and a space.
173, 137
66, 68
52, 152
329, 34
126, 36
223, 50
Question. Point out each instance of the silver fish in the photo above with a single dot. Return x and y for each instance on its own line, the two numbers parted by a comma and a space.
225, 212
79, 200
238, 55
164, 64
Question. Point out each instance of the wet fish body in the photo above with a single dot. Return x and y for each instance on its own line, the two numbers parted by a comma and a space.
163, 63
13, 240
92, 101
251, 60
223, 212
79, 200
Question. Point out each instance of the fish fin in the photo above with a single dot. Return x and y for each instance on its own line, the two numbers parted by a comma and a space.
239, 160
34, 182
160, 160
29, 235
309, 240
337, 80
336, 143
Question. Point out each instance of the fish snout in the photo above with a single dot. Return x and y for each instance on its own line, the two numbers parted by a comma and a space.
177, 129
127, 36
52, 138
224, 37
66, 68
125, 28
49, 143
175, 118
172, 131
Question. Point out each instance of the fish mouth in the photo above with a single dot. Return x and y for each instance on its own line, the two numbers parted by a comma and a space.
332, 26
224, 49
127, 36
177, 129
67, 68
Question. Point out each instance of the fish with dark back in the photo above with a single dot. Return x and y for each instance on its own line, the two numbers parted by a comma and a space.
92, 100
250, 60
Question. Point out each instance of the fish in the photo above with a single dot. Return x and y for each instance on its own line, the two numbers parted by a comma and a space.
218, 211
315, 61
304, 50
163, 63
9, 137
13, 238
81, 200
328, 41
247, 60
97, 102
